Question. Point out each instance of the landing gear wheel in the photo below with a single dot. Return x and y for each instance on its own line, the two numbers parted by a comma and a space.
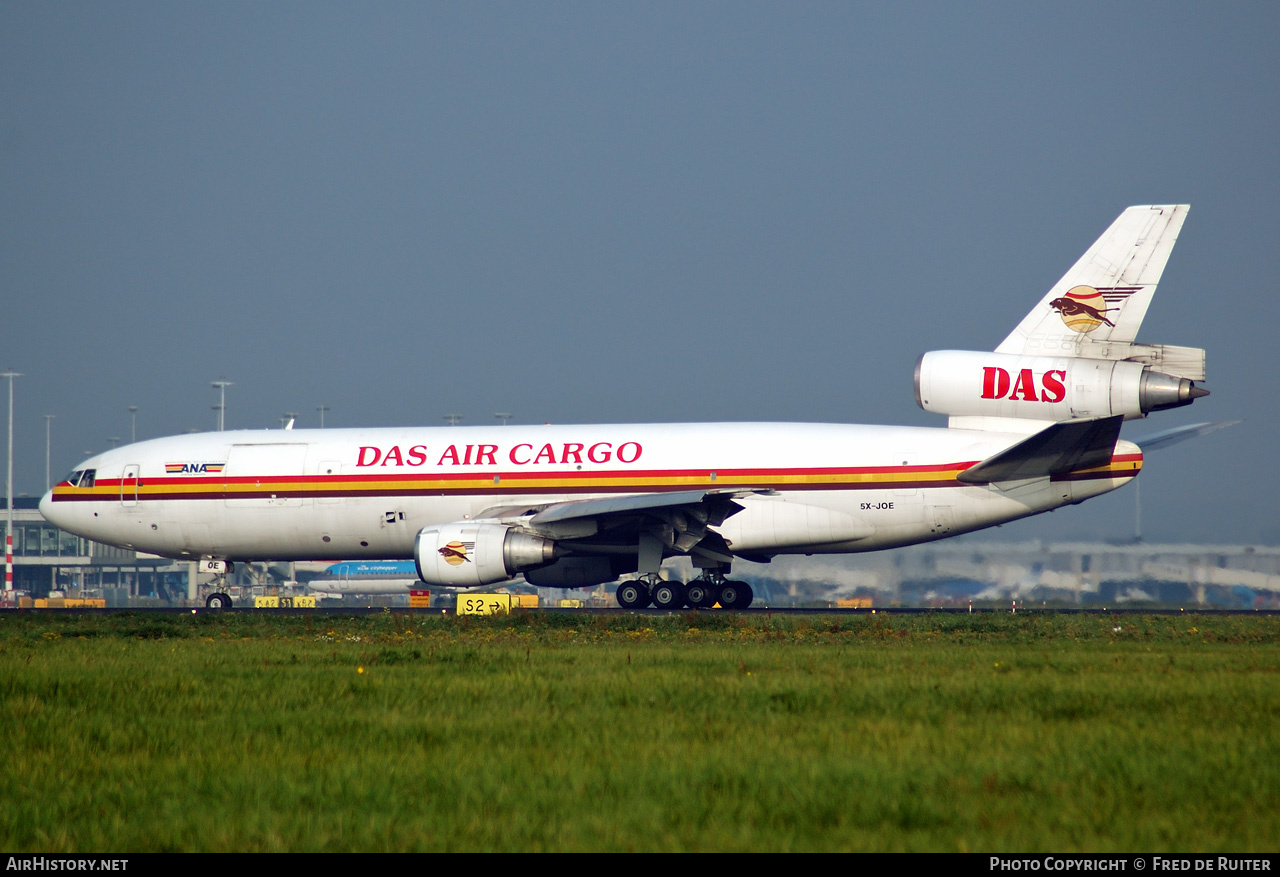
218, 601
700, 595
633, 595
735, 595
668, 595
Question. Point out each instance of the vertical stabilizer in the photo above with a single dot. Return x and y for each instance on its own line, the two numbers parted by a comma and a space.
1101, 301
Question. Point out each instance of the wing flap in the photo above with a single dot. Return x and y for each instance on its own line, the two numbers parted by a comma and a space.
613, 505
686, 513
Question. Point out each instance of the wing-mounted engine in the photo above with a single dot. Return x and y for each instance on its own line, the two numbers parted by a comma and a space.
577, 543
965, 383
470, 553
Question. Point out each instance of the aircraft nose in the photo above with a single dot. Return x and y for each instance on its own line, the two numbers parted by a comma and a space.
47, 509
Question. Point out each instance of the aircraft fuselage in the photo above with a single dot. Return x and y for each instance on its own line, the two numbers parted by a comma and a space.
339, 494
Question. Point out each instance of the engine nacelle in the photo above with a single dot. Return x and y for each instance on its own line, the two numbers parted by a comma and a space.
580, 572
466, 554
968, 383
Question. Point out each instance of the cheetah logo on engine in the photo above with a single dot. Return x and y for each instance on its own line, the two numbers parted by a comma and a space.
455, 553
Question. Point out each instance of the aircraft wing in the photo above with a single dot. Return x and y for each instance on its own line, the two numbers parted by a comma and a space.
644, 502
671, 521
678, 520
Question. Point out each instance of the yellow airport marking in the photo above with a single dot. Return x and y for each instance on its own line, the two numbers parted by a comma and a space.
301, 602
484, 604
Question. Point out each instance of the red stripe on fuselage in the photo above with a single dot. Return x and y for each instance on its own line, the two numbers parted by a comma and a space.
517, 483
509, 482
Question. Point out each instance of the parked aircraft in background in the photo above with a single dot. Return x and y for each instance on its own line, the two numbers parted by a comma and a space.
368, 577
1032, 426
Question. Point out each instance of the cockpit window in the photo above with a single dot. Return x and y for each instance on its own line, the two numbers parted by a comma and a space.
82, 477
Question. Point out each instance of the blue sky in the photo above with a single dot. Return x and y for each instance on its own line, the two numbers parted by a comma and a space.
602, 212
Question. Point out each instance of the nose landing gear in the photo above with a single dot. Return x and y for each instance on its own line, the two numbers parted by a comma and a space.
218, 600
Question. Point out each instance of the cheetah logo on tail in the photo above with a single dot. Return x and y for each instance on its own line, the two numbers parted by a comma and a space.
1083, 309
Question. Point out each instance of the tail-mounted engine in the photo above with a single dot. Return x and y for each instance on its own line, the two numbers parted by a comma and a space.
966, 383
465, 555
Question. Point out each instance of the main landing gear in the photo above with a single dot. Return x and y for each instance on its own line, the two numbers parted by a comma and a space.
702, 593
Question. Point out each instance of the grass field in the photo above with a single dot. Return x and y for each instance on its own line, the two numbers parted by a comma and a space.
990, 732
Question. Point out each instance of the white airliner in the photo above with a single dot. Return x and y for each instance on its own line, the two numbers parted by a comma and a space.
1032, 426
367, 578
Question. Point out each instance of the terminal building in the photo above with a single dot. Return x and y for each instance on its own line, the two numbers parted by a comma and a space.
955, 572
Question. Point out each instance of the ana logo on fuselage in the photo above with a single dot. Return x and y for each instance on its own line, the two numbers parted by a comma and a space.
193, 468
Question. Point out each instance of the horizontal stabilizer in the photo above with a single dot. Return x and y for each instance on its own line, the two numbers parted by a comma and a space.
1063, 447
1166, 438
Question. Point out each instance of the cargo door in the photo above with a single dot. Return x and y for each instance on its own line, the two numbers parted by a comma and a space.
264, 475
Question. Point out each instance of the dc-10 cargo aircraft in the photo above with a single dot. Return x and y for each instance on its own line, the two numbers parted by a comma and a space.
1033, 426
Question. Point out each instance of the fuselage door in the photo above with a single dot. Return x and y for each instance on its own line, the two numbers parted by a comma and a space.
129, 486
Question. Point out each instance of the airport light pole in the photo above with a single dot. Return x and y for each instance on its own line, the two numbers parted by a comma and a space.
221, 385
503, 416
453, 419
8, 496
1137, 510
48, 431
133, 423
322, 409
